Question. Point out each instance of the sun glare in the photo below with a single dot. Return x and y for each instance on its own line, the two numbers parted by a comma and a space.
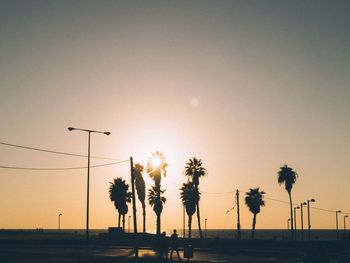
156, 161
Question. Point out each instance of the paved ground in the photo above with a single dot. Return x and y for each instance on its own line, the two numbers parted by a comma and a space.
126, 255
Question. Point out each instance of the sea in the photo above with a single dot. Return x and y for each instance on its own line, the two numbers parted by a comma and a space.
263, 234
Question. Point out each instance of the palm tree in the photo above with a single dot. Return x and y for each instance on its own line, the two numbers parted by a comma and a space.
287, 176
254, 200
156, 200
156, 168
189, 197
141, 190
195, 171
119, 194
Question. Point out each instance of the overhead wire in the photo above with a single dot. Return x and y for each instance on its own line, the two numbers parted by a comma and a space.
54, 152
59, 168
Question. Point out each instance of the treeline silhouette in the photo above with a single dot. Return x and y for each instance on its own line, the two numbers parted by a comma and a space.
190, 194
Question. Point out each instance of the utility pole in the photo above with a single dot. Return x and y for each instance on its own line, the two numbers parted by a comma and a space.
134, 206
336, 222
302, 220
295, 222
238, 217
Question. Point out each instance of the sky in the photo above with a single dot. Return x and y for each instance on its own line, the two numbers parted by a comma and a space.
247, 86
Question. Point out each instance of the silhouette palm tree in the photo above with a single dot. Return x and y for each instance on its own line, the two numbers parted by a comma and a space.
195, 171
189, 197
141, 190
254, 200
119, 194
287, 176
156, 168
156, 200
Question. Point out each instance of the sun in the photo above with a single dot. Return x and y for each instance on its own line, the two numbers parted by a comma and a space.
156, 162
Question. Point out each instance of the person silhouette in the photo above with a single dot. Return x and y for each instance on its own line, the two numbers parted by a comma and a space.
174, 245
163, 247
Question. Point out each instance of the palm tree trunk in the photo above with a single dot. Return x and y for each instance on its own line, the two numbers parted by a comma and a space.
291, 216
199, 221
158, 224
253, 226
189, 226
124, 223
119, 219
158, 216
144, 217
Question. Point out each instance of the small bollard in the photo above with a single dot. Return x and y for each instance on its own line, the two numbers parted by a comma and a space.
188, 252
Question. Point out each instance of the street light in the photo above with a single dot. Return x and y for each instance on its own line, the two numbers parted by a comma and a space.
288, 221
129, 224
205, 227
345, 217
59, 222
88, 173
308, 215
336, 221
302, 220
295, 221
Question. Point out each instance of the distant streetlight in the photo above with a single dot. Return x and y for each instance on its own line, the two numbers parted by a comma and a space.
205, 227
59, 222
336, 221
308, 216
295, 221
88, 173
302, 220
345, 217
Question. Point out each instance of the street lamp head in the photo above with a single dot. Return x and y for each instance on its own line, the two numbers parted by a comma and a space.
339, 211
304, 203
71, 128
107, 133
346, 216
60, 214
312, 200
298, 207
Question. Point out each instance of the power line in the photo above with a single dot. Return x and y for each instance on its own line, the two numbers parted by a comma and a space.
60, 169
55, 152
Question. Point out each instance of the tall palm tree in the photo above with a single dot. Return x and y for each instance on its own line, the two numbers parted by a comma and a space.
156, 168
119, 194
141, 190
157, 201
195, 171
288, 176
189, 197
254, 199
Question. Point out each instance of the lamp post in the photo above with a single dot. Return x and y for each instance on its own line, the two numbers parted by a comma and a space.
205, 227
295, 221
345, 217
302, 220
59, 222
129, 224
336, 222
308, 216
288, 221
88, 173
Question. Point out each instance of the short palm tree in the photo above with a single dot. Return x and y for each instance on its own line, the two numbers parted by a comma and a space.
288, 177
119, 194
189, 197
195, 171
157, 201
254, 199
156, 168
141, 190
